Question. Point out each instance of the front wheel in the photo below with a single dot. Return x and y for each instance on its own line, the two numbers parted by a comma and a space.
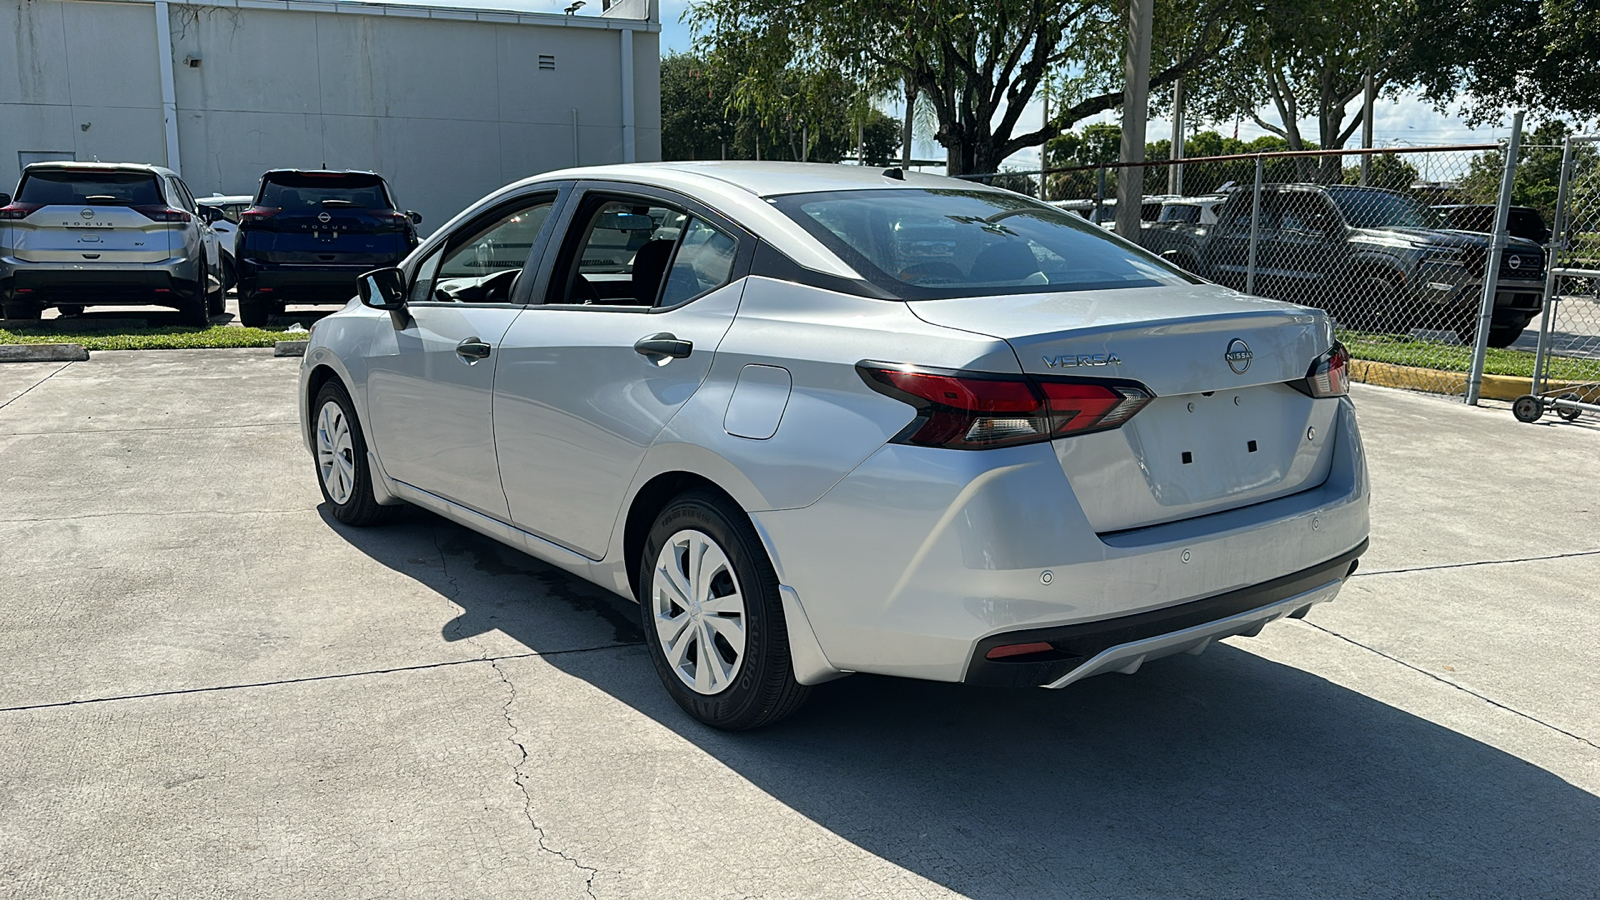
712, 617
1527, 408
342, 469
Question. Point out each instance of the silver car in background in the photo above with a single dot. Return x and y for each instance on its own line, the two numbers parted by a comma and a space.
819, 420
82, 234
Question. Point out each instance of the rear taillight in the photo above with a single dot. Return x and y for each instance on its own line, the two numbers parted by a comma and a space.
162, 213
257, 213
19, 210
1329, 375
976, 411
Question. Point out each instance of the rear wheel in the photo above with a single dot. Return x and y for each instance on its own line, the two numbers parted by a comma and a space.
196, 308
712, 617
1527, 408
217, 300
22, 311
342, 470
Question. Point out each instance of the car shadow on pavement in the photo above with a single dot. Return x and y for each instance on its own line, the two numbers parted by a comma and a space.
1221, 775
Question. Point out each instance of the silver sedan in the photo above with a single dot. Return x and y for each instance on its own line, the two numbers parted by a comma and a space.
819, 420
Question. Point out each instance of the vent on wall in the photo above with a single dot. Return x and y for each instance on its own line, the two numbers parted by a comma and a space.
547, 62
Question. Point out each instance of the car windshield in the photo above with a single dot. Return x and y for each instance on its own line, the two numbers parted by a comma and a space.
301, 191
1381, 209
930, 243
68, 187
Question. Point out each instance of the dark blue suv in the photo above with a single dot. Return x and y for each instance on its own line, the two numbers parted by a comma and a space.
311, 234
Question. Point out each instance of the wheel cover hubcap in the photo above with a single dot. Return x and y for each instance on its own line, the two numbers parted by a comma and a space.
336, 455
698, 610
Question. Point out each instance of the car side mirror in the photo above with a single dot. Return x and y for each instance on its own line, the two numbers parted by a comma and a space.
383, 289
414, 217
211, 214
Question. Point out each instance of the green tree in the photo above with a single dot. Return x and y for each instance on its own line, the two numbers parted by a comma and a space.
1538, 177
977, 63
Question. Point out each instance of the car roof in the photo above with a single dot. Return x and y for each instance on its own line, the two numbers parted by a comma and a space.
225, 200
320, 172
740, 190
57, 165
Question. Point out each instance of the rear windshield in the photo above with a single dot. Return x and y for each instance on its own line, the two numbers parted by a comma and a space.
65, 187
292, 191
926, 244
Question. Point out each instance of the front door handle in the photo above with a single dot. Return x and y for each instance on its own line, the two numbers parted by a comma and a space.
663, 344
472, 350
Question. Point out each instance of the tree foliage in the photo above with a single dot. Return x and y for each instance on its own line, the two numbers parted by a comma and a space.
1538, 55
977, 63
699, 119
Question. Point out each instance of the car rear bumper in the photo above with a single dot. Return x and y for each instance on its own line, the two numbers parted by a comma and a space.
919, 560
303, 283
109, 283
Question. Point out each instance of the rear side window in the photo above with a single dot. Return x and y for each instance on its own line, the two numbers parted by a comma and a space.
306, 191
926, 244
1180, 214
65, 187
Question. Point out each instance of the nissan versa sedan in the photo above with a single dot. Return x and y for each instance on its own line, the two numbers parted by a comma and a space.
819, 420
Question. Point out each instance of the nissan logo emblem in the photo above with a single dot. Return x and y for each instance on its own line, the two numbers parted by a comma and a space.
1514, 262
1238, 356
323, 217
87, 213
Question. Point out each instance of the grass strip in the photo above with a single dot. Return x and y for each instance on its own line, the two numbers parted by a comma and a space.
1401, 350
160, 338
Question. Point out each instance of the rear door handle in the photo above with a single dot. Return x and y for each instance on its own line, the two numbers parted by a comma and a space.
663, 344
472, 350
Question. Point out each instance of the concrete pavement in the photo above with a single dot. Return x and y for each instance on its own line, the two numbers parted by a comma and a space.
213, 689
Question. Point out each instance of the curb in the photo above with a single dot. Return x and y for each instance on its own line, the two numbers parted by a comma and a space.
289, 348
1494, 387
43, 353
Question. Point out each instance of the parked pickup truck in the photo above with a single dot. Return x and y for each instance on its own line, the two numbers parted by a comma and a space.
1180, 227
1374, 259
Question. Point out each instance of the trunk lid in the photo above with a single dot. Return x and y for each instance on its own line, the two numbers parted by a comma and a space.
1224, 430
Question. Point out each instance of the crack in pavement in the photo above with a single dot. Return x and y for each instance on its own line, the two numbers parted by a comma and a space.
308, 679
1482, 562
36, 384
518, 776
1460, 687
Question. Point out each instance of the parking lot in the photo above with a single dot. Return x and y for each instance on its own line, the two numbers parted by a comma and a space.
215, 690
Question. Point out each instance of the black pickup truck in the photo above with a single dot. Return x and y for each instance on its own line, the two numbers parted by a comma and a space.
1374, 259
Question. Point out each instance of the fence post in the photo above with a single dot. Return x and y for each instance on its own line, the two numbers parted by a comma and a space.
1558, 243
1099, 192
1255, 230
1491, 272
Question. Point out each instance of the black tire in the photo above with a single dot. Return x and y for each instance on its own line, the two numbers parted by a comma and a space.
69, 309
1571, 414
360, 508
1501, 338
217, 300
22, 311
761, 688
254, 312
1527, 408
1378, 305
195, 309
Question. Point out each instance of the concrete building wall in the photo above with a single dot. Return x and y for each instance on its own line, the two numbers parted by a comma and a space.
446, 104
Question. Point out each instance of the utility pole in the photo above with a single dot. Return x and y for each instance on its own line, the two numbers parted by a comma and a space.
1135, 108
1042, 147
1366, 129
1175, 173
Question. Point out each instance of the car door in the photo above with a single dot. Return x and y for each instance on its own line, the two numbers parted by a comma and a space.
430, 375
1307, 249
643, 289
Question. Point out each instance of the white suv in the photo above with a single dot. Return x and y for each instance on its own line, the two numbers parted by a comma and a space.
88, 234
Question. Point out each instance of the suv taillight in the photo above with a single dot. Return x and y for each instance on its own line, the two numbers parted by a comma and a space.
19, 210
976, 411
257, 213
162, 213
1329, 376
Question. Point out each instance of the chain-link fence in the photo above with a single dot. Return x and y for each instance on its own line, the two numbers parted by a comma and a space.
1569, 329
1394, 244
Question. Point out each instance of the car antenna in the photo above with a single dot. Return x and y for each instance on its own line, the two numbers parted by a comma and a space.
896, 173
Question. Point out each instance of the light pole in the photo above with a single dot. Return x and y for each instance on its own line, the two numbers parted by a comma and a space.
1135, 107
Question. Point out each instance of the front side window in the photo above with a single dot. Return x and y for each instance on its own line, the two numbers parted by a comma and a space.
481, 264
1382, 209
925, 244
